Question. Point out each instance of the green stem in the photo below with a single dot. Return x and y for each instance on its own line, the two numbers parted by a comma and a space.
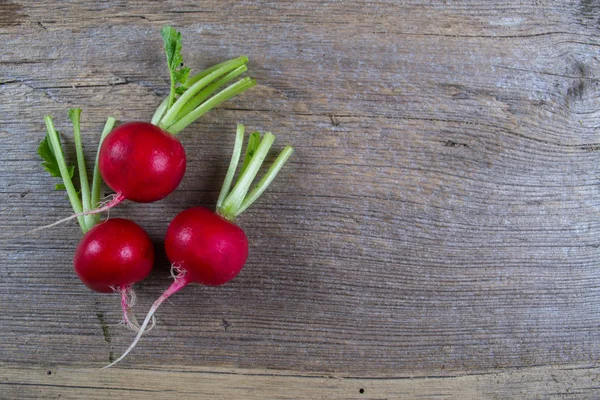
97, 178
265, 181
160, 111
207, 91
232, 203
235, 159
172, 91
174, 109
62, 166
84, 184
253, 143
209, 104
193, 79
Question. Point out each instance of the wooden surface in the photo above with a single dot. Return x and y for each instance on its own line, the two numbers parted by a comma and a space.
439, 219
172, 382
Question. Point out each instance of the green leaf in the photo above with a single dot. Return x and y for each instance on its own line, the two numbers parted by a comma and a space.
46, 153
179, 73
50, 163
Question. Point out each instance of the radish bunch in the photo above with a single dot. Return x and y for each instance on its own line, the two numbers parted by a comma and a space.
145, 162
206, 247
140, 161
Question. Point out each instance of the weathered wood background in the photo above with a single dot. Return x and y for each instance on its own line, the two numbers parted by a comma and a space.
440, 219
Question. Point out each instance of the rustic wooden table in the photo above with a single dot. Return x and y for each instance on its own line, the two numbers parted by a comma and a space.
436, 234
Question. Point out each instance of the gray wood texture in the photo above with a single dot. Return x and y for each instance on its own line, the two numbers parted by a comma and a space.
572, 382
440, 215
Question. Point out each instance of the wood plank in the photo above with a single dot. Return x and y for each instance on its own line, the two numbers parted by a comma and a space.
565, 382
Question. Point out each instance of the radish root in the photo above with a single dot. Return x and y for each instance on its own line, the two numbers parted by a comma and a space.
181, 281
117, 198
128, 300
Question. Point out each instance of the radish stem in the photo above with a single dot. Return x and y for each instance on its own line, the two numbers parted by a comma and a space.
64, 173
97, 178
265, 181
230, 206
191, 80
84, 184
74, 115
253, 142
173, 110
235, 159
207, 91
86, 208
209, 104
160, 111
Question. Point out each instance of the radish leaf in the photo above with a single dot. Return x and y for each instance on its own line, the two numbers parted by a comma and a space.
50, 163
179, 73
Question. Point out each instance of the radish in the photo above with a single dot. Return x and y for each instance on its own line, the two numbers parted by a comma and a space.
207, 247
114, 254
144, 162
141, 162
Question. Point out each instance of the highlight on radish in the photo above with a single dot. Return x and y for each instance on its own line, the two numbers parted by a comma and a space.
113, 254
144, 161
206, 247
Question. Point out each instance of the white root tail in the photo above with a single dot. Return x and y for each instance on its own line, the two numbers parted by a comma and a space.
128, 300
181, 281
117, 198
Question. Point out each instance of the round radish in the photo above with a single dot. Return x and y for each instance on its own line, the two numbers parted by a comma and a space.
142, 162
207, 247
114, 255
210, 248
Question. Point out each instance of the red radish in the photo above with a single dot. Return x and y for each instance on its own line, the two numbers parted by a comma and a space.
209, 247
142, 162
114, 254
206, 247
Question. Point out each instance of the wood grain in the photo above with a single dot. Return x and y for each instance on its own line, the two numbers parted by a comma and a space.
440, 212
567, 382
